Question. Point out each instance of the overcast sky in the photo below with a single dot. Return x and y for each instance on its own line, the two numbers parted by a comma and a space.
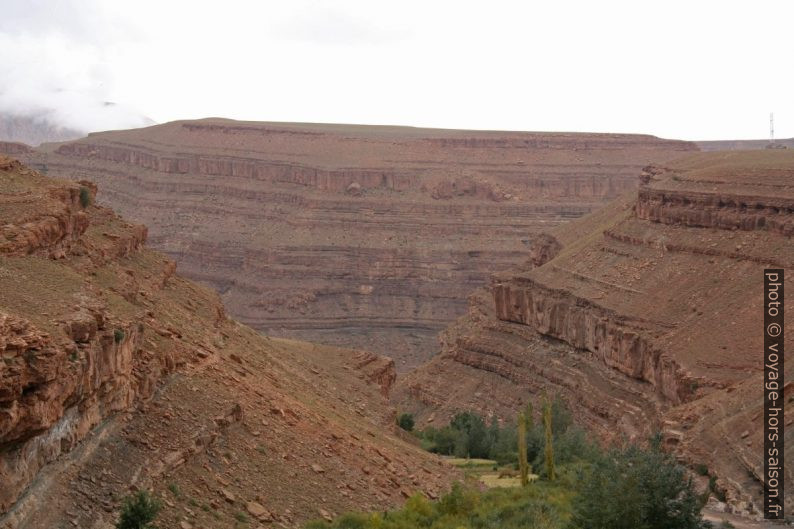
691, 70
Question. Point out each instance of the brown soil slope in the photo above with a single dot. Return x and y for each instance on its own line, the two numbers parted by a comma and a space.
362, 236
117, 375
645, 316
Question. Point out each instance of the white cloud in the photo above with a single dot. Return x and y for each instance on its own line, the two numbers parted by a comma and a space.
695, 70
53, 66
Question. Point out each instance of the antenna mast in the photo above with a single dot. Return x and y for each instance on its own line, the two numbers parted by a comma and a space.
772, 127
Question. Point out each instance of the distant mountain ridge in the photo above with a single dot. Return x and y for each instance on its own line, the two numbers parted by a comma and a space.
744, 145
34, 130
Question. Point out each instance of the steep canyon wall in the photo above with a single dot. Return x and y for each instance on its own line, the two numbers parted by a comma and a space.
368, 237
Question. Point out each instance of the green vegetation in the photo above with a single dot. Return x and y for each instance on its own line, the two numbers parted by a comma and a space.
548, 449
580, 485
118, 335
174, 488
626, 488
406, 422
468, 436
523, 464
634, 487
544, 506
138, 511
85, 197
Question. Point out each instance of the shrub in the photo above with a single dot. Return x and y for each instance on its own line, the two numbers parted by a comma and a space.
633, 487
85, 197
138, 511
118, 335
406, 422
459, 502
472, 436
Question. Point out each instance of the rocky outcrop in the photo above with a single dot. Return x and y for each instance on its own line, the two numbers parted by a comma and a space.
53, 396
117, 375
378, 369
58, 384
51, 228
544, 248
370, 237
644, 319
713, 210
616, 340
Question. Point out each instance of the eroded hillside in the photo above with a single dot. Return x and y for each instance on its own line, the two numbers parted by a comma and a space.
118, 375
367, 237
645, 316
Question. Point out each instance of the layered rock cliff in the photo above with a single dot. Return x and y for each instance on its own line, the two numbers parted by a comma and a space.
645, 316
366, 237
118, 375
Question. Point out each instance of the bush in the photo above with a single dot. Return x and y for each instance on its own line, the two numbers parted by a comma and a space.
406, 422
174, 488
633, 487
467, 435
138, 511
85, 197
544, 506
118, 335
702, 469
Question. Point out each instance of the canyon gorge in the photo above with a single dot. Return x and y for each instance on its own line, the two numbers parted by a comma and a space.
362, 236
645, 316
457, 271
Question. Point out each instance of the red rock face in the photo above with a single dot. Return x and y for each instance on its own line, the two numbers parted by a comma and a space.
369, 237
58, 384
645, 316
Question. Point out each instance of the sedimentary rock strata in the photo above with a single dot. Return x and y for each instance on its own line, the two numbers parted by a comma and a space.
645, 316
369, 237
116, 375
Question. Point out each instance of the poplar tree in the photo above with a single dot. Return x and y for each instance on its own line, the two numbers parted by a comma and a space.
529, 413
523, 464
549, 448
